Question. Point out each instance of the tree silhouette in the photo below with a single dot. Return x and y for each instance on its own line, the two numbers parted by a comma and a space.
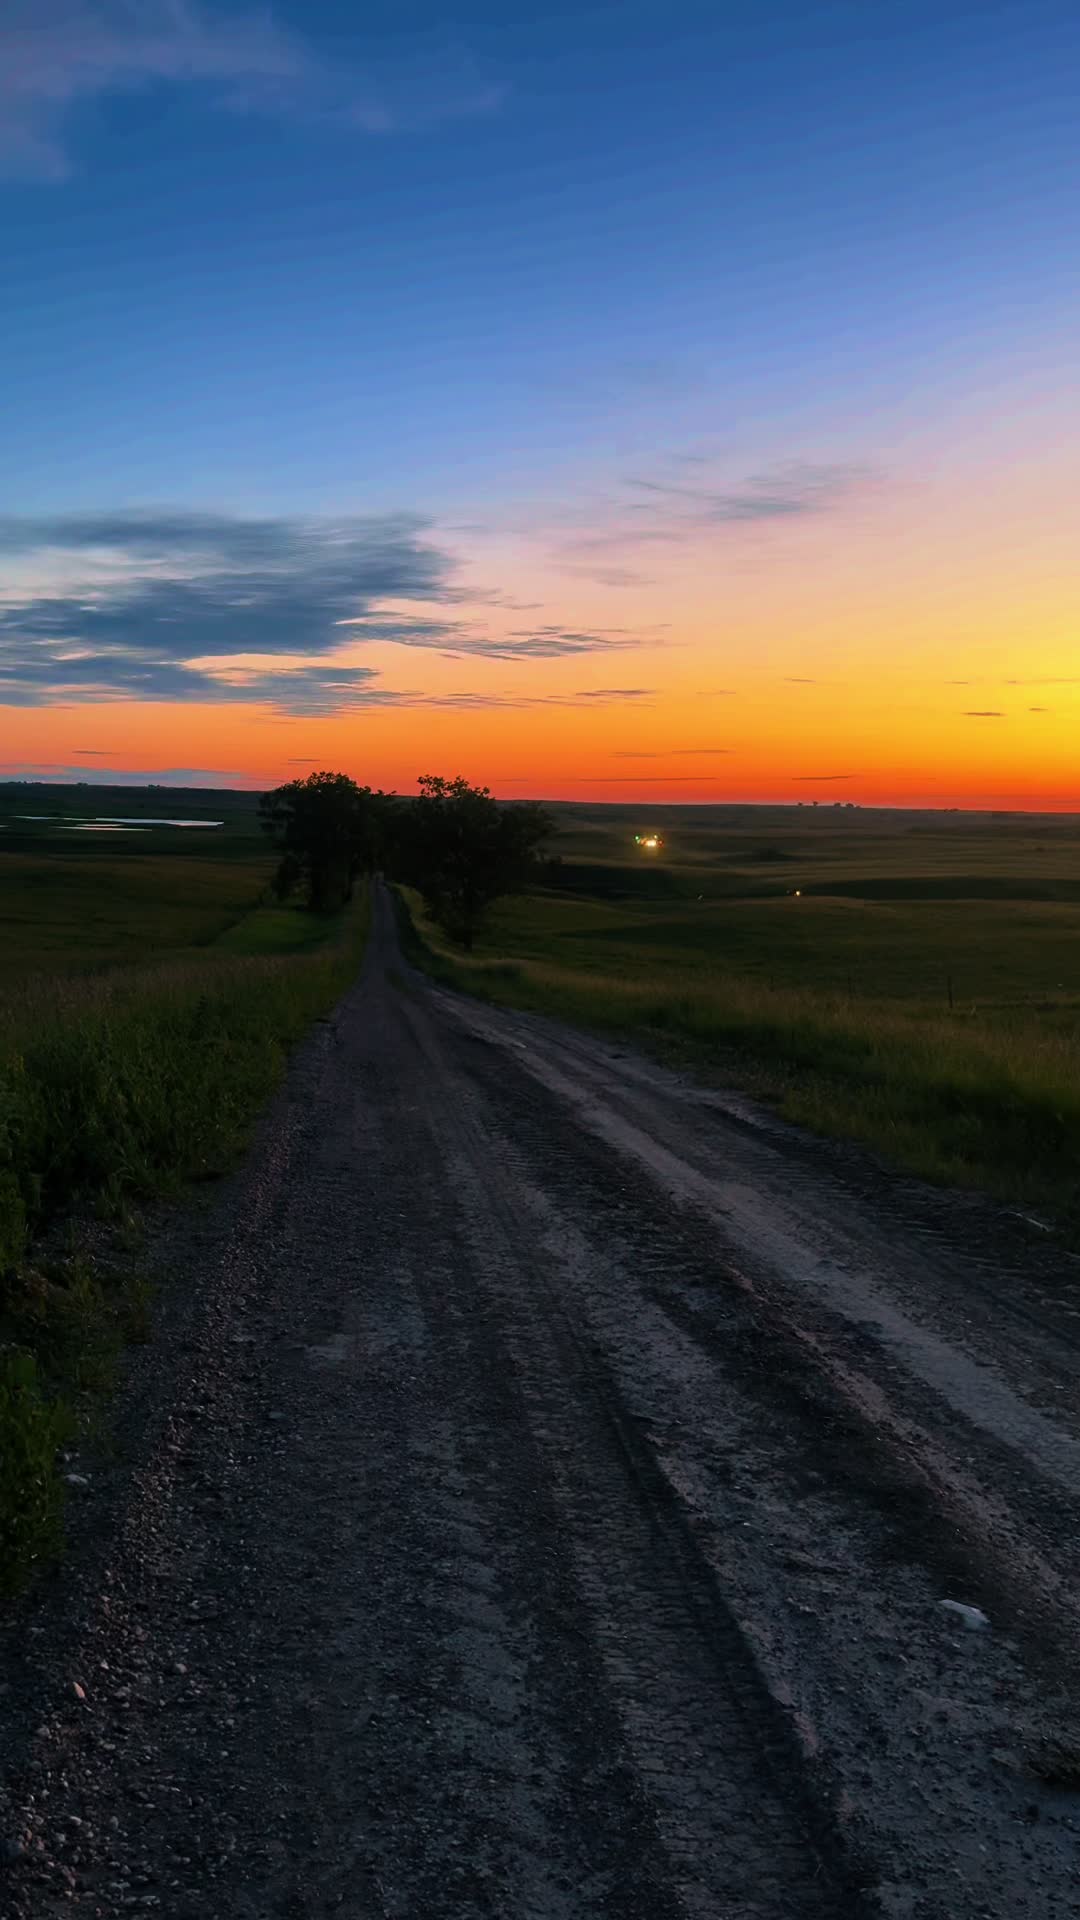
328, 830
462, 850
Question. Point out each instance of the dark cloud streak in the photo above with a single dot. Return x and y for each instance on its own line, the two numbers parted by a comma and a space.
170, 594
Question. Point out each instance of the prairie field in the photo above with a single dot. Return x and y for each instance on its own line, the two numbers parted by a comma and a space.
78, 900
911, 981
149, 993
148, 982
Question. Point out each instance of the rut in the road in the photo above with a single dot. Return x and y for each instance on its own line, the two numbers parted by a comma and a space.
398, 1619
717, 1765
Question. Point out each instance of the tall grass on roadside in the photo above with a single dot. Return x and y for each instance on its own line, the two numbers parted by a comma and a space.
127, 1085
988, 1102
112, 1089
34, 1425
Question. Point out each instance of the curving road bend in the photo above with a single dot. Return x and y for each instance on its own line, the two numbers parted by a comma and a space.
539, 1504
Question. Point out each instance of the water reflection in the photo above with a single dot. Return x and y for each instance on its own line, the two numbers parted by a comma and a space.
110, 822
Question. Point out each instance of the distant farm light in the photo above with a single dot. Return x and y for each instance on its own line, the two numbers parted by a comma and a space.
650, 841
798, 893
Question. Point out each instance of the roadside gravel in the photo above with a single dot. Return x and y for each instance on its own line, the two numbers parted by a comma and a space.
538, 1501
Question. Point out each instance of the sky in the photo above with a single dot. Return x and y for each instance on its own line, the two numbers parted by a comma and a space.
626, 401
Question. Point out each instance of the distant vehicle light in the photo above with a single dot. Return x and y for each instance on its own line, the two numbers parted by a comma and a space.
650, 841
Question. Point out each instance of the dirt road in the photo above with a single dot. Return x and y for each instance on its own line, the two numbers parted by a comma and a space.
539, 1503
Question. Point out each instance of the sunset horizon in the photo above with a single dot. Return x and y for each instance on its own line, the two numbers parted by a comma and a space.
632, 408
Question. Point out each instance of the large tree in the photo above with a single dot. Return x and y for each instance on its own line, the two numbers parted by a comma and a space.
461, 849
328, 830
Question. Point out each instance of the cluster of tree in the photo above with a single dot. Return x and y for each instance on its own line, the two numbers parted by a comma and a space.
328, 830
458, 846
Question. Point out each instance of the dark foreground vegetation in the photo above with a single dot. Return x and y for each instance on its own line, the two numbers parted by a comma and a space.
148, 999
911, 981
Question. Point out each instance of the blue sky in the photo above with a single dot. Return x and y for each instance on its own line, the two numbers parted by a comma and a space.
455, 247
489, 268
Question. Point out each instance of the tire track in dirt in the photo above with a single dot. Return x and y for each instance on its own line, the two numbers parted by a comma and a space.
492, 1542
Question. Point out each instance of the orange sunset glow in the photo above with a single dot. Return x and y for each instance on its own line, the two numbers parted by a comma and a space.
855, 651
581, 474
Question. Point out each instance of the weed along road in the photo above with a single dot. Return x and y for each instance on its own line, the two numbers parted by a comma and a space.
541, 1502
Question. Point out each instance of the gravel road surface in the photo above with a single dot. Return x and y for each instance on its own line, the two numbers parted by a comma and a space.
538, 1502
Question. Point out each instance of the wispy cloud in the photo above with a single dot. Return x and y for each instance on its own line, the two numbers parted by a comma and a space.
552, 642
651, 516
1027, 680
606, 693
56, 770
790, 492
802, 777
55, 54
642, 779
669, 753
983, 713
588, 558
317, 692
460, 639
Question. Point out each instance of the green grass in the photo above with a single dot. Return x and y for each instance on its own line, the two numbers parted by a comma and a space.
277, 929
147, 1007
80, 915
833, 1002
34, 1425
74, 902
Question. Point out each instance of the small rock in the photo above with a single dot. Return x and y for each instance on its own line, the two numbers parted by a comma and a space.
77, 1479
972, 1617
78, 1691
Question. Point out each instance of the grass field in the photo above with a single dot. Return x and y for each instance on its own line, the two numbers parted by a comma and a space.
148, 998
911, 981
76, 899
